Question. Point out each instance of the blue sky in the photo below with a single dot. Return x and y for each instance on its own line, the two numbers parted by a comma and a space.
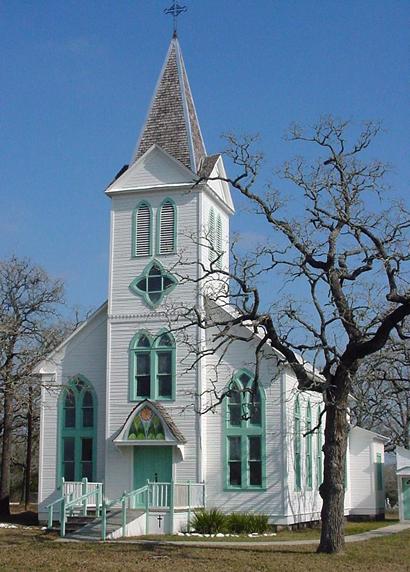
77, 78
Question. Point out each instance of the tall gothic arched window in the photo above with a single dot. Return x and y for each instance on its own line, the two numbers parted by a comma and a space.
152, 366
77, 430
167, 227
141, 239
244, 433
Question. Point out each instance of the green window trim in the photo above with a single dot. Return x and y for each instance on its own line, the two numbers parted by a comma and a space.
319, 452
160, 250
297, 446
379, 472
244, 440
154, 276
138, 242
308, 448
77, 442
158, 372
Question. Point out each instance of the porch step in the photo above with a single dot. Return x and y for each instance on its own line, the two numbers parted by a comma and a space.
92, 530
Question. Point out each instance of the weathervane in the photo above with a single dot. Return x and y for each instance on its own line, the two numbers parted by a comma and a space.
175, 10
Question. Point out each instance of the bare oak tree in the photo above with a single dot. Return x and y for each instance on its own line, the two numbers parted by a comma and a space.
381, 390
335, 259
29, 301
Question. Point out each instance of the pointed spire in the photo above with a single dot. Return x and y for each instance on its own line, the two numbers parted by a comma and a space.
172, 122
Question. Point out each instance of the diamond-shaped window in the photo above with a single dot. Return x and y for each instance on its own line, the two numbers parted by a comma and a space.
153, 284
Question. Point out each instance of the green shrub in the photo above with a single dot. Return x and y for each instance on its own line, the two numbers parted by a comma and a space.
246, 523
209, 521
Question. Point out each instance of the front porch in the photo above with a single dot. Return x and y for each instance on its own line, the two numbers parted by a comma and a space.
155, 508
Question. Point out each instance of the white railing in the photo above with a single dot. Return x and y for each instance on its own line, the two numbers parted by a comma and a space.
73, 490
159, 495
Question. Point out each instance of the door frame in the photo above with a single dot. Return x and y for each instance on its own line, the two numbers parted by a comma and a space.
401, 497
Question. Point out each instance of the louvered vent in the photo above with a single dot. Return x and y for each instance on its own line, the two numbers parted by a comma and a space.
218, 240
143, 231
211, 235
167, 229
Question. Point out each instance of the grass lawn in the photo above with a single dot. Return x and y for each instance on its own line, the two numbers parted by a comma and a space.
30, 549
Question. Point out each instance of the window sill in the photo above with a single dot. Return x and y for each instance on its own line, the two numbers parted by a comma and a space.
244, 489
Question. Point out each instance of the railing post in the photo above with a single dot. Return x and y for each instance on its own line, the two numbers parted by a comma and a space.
62, 486
50, 517
84, 491
147, 508
189, 507
104, 521
62, 518
98, 497
171, 507
124, 512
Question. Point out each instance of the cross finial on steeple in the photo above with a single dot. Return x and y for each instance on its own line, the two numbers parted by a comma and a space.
175, 10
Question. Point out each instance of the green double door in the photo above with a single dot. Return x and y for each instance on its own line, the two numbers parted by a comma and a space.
406, 497
153, 464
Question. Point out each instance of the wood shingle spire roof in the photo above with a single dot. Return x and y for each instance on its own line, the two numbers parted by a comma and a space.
172, 122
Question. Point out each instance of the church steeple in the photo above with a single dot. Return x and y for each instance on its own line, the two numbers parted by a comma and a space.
172, 122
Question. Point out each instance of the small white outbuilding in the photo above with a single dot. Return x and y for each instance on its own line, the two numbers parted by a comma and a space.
403, 482
366, 473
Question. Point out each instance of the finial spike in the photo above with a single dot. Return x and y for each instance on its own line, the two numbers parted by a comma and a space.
175, 10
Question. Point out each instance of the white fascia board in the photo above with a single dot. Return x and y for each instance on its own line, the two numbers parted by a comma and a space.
103, 306
184, 170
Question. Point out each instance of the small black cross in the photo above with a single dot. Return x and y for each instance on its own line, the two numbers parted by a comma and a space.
175, 10
159, 519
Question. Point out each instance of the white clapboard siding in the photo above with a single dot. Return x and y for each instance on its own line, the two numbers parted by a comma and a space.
167, 228
143, 231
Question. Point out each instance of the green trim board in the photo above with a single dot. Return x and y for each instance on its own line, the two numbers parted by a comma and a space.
158, 250
319, 452
297, 445
134, 230
244, 434
309, 448
153, 284
379, 472
152, 366
77, 421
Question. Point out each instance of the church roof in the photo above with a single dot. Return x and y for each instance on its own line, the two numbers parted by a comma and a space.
172, 123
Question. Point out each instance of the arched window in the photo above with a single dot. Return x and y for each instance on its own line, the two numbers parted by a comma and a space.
77, 430
244, 433
211, 234
142, 230
308, 448
218, 240
152, 367
297, 445
319, 445
166, 228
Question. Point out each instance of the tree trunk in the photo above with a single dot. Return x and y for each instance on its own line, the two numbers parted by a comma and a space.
6, 455
27, 474
332, 489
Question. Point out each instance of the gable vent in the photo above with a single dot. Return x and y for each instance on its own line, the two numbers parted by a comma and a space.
167, 228
143, 231
211, 234
218, 240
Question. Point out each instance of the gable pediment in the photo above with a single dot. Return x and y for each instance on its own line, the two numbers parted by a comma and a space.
155, 169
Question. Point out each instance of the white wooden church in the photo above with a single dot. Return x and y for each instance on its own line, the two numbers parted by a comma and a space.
121, 439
